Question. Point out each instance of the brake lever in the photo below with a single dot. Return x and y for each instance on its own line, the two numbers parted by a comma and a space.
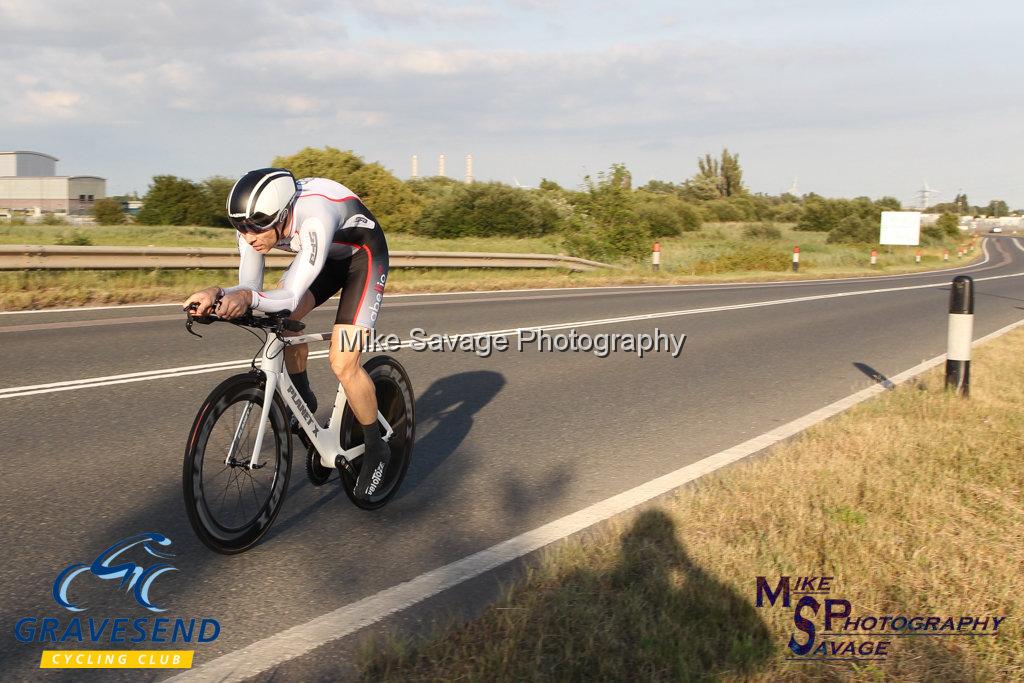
191, 319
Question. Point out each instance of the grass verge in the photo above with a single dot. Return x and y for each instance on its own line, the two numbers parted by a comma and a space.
912, 501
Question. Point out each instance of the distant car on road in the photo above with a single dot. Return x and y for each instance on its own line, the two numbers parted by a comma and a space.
996, 229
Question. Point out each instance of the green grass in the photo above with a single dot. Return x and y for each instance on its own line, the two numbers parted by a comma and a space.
913, 501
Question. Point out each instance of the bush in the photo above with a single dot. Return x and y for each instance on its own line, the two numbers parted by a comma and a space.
933, 233
854, 230
762, 231
949, 225
666, 215
481, 209
604, 224
74, 238
607, 241
53, 219
433, 188
723, 211
745, 258
788, 213
108, 211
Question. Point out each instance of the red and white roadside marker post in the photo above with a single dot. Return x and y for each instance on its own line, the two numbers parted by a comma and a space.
874, 258
945, 254
961, 333
959, 252
796, 259
656, 256
917, 256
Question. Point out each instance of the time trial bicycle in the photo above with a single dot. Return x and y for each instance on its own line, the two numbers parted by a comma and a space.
239, 451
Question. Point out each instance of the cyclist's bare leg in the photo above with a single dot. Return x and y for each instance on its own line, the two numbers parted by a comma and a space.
295, 356
346, 342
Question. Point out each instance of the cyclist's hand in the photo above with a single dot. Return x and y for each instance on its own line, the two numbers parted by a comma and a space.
204, 300
234, 304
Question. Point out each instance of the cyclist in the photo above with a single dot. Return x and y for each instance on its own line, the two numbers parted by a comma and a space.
338, 245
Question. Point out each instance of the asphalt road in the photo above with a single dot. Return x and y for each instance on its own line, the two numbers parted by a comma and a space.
505, 443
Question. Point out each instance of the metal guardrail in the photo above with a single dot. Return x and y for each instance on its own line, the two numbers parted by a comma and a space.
28, 257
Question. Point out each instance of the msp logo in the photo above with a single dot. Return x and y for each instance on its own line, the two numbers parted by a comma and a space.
127, 565
829, 630
133, 577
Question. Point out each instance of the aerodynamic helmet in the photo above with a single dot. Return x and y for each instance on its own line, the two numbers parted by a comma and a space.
260, 199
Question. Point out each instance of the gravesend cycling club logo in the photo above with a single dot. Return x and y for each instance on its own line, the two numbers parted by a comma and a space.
827, 629
131, 566
133, 577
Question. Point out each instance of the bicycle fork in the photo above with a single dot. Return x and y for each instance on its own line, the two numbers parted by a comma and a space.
268, 393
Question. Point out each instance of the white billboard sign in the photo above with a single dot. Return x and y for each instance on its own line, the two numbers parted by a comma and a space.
901, 227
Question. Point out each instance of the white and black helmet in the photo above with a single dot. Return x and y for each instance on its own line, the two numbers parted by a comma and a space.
260, 199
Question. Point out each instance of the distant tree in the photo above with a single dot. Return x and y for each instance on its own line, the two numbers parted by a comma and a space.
108, 211
432, 188
888, 204
549, 185
963, 206
482, 209
949, 225
700, 188
174, 201
997, 208
328, 162
660, 187
716, 177
390, 200
732, 175
215, 194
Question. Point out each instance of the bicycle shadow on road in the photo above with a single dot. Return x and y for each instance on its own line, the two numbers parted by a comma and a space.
648, 613
444, 417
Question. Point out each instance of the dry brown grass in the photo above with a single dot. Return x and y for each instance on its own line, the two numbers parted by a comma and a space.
913, 501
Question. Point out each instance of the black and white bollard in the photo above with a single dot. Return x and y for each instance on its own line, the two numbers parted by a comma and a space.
796, 259
656, 256
961, 332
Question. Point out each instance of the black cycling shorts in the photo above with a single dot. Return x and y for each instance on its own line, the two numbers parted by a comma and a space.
361, 279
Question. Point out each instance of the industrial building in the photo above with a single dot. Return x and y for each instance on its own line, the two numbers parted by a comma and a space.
29, 182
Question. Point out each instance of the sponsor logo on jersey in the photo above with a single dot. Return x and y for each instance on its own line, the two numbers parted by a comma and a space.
312, 248
359, 221
378, 287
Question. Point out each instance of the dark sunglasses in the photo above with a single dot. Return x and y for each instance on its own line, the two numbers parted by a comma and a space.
258, 222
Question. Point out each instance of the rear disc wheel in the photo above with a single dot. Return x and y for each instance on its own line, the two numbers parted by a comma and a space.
395, 402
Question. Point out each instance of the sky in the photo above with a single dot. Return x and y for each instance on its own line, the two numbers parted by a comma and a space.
844, 98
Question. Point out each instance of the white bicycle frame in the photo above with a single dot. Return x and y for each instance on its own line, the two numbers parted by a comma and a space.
326, 439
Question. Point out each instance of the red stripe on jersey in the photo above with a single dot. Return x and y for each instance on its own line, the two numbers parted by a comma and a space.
330, 199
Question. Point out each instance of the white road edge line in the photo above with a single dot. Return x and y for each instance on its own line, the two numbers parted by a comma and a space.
298, 640
736, 285
166, 373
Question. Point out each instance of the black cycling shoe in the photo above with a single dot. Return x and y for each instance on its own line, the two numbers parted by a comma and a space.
372, 470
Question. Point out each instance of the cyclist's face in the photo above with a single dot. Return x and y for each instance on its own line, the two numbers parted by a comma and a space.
261, 241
